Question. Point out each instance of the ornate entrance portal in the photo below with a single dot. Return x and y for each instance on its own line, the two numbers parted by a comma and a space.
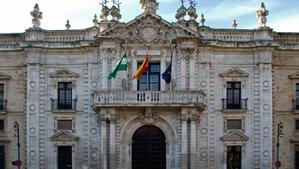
149, 148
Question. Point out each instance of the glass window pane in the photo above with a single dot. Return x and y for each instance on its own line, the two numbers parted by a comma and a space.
64, 124
1, 124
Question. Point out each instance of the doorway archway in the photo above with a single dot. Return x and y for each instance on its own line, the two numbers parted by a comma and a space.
149, 148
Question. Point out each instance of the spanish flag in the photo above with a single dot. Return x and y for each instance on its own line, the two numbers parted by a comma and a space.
142, 69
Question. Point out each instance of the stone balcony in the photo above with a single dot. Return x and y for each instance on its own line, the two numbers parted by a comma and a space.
106, 99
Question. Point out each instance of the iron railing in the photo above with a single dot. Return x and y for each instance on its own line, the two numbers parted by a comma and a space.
57, 104
3, 104
236, 104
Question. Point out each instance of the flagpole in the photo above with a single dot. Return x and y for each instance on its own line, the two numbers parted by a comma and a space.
147, 69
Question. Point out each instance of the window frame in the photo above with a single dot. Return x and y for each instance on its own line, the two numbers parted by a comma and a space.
148, 78
66, 101
230, 92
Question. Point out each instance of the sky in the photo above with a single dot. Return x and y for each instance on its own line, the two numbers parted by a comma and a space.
15, 14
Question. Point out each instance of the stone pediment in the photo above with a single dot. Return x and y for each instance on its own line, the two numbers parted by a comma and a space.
234, 136
294, 75
62, 73
234, 72
4, 76
64, 136
147, 28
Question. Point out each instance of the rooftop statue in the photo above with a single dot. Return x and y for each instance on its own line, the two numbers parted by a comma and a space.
37, 15
150, 6
262, 14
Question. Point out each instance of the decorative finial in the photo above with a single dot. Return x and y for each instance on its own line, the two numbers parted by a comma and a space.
192, 10
67, 25
95, 20
181, 12
105, 10
234, 25
115, 10
192, 3
262, 14
37, 16
202, 20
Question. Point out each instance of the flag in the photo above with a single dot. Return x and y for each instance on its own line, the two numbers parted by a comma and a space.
142, 69
121, 65
166, 75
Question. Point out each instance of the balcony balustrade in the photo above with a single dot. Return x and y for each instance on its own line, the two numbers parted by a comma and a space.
233, 104
149, 99
57, 105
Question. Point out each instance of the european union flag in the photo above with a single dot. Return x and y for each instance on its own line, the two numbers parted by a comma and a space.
167, 74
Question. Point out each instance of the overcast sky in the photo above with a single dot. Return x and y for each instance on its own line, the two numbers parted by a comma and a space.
15, 14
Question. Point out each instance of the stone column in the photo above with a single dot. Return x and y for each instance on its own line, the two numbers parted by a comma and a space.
105, 70
103, 121
194, 120
183, 70
112, 141
192, 70
184, 148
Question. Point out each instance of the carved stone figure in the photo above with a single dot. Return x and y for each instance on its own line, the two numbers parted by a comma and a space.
262, 14
37, 15
150, 6
105, 10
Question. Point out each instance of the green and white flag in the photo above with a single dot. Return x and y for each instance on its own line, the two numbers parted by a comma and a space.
121, 65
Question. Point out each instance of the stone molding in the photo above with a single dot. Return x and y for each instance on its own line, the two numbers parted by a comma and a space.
234, 72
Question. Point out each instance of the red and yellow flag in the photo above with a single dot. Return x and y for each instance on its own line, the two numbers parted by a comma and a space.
142, 69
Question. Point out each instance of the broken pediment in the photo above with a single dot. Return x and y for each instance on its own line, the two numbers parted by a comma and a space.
234, 136
64, 136
147, 28
234, 72
62, 73
294, 75
4, 76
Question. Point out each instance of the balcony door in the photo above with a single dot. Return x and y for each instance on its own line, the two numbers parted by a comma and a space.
150, 80
64, 157
65, 95
2, 101
233, 95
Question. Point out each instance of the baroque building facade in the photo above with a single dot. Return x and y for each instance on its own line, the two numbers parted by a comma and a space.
229, 88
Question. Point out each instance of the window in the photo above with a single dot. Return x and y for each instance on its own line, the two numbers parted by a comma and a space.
65, 95
233, 95
1, 124
296, 156
297, 97
2, 100
297, 124
234, 124
2, 156
150, 79
64, 124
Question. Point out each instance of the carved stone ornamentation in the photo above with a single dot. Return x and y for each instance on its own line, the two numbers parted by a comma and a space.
37, 15
262, 14
148, 116
105, 10
181, 13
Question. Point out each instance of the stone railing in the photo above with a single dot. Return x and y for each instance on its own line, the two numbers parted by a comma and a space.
231, 35
287, 38
64, 36
149, 98
11, 39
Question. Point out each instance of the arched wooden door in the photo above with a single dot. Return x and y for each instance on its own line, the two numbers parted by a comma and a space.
149, 148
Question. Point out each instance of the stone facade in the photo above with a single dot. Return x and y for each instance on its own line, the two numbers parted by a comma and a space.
191, 111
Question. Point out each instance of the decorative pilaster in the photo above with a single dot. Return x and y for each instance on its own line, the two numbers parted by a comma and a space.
184, 146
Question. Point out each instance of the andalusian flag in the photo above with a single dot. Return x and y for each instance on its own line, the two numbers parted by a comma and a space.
121, 65
142, 69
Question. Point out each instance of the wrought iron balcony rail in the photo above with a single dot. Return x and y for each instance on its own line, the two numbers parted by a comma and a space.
296, 103
57, 104
3, 104
149, 98
234, 104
